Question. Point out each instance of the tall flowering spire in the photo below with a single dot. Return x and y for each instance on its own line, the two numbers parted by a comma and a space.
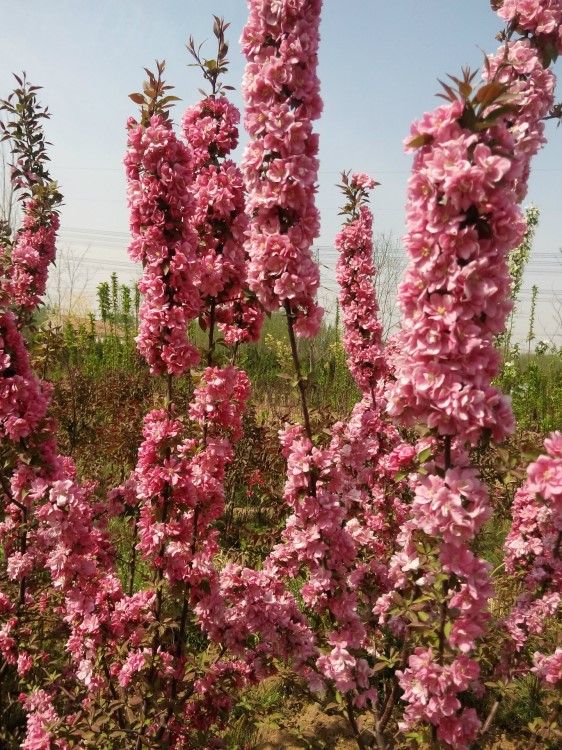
159, 173
54, 547
345, 505
27, 258
354, 273
26, 431
210, 128
281, 90
470, 172
463, 220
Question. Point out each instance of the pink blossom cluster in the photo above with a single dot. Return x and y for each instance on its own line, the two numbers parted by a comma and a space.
463, 221
211, 129
532, 546
453, 506
33, 251
23, 398
431, 689
281, 91
53, 533
354, 274
31, 462
218, 402
80, 561
540, 18
220, 220
211, 703
181, 483
370, 453
315, 538
159, 175
346, 507
450, 509
42, 721
548, 668
255, 605
518, 65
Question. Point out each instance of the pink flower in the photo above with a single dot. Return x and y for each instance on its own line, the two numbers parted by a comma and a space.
363, 181
549, 668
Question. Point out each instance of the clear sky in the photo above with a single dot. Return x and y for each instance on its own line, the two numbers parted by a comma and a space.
379, 64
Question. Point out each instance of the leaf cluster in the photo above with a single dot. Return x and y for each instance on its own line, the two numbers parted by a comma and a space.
355, 196
23, 130
484, 105
215, 67
154, 99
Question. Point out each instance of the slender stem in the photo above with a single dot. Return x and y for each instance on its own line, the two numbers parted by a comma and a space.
235, 352
181, 638
353, 724
447, 452
300, 380
133, 561
442, 623
490, 718
211, 345
378, 731
210, 349
443, 607
392, 697
23, 550
120, 717
8, 491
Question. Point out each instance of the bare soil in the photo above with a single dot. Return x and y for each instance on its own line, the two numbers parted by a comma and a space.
311, 729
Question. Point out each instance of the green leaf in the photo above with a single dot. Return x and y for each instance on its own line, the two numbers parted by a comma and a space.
425, 455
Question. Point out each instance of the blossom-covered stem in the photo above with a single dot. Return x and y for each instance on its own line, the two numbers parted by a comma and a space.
446, 585
300, 381
210, 348
33, 248
158, 577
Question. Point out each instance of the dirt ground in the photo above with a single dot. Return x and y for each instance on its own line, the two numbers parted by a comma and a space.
314, 730
317, 732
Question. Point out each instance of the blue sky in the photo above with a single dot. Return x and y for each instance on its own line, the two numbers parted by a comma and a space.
379, 65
